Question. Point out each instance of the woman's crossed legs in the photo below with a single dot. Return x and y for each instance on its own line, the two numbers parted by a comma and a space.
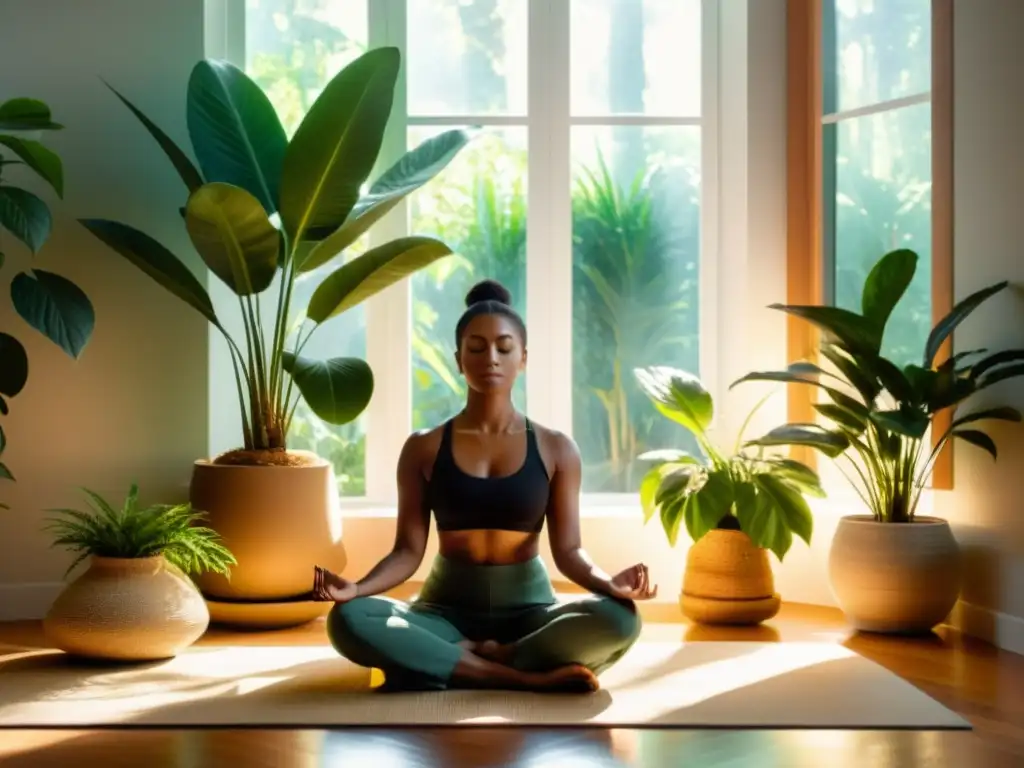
548, 647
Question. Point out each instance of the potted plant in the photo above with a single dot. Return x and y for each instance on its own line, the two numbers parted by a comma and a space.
135, 601
735, 507
261, 211
50, 303
892, 570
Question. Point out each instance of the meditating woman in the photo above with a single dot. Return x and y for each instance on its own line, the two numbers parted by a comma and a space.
487, 615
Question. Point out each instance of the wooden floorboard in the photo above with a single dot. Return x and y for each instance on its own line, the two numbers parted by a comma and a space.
984, 684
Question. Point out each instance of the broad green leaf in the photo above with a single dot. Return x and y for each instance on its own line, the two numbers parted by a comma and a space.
997, 359
671, 515
885, 285
335, 147
410, 173
236, 134
893, 379
923, 382
40, 159
1002, 413
978, 438
648, 490
13, 365
5, 474
336, 390
25, 216
26, 115
863, 381
848, 329
1000, 374
181, 162
789, 504
798, 474
907, 422
706, 506
231, 231
366, 275
678, 395
957, 315
796, 373
55, 307
832, 444
759, 519
842, 416
949, 388
156, 261
675, 481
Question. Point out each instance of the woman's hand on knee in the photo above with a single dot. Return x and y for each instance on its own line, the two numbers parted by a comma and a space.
330, 587
634, 583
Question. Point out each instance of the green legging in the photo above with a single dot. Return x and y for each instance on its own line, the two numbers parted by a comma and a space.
415, 644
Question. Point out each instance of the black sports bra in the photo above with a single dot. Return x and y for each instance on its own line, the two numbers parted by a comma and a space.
461, 501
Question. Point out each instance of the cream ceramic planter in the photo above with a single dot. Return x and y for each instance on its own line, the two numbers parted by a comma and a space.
899, 578
127, 609
278, 522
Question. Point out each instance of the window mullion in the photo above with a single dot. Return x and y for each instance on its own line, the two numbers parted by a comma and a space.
549, 222
388, 314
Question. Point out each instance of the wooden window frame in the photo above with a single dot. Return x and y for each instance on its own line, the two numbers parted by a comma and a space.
805, 268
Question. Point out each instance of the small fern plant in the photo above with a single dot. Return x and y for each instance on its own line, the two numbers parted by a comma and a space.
136, 532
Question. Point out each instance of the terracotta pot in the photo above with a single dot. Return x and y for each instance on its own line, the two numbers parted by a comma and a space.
130, 609
899, 578
728, 580
278, 522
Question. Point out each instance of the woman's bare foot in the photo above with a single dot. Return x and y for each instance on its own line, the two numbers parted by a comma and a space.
572, 678
478, 672
490, 649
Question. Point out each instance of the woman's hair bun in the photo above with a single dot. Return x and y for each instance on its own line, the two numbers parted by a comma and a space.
488, 290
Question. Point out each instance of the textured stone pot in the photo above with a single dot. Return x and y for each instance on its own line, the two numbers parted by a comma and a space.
278, 522
728, 580
127, 609
899, 578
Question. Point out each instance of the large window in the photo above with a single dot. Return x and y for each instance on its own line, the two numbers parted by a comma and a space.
581, 193
870, 167
877, 154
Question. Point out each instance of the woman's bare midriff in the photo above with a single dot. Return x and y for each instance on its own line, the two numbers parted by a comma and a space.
488, 547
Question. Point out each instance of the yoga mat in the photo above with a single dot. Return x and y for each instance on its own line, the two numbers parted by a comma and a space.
673, 685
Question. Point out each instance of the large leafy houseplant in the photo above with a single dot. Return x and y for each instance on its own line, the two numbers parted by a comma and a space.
50, 303
262, 208
880, 412
759, 494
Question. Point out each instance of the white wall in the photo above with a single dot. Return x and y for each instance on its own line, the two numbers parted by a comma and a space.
987, 507
134, 406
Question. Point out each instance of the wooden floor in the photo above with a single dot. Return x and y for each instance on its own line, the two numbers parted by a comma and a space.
984, 684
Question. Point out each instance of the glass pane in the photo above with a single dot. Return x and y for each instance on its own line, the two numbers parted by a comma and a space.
636, 250
881, 50
477, 205
293, 48
468, 58
635, 57
883, 202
